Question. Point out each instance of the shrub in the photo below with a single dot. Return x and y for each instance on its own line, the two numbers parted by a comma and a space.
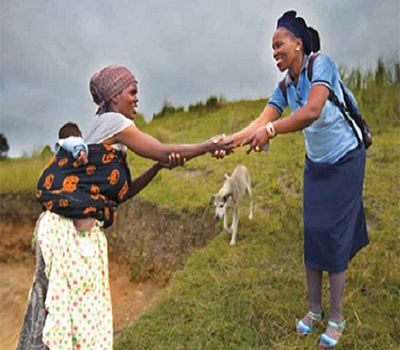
167, 108
140, 122
212, 103
377, 92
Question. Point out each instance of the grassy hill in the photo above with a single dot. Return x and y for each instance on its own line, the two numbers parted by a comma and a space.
249, 296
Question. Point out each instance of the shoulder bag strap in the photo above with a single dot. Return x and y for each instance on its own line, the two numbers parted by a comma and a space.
334, 99
282, 85
332, 96
311, 60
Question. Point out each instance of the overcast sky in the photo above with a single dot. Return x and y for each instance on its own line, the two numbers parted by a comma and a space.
180, 50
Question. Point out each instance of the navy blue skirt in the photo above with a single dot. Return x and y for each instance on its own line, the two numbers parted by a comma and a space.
334, 221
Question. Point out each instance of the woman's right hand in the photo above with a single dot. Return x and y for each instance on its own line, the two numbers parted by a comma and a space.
220, 146
257, 140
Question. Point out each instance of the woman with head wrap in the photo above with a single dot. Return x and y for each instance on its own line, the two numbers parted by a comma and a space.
333, 213
70, 305
114, 89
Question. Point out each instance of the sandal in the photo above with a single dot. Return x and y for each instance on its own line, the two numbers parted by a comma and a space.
327, 342
302, 328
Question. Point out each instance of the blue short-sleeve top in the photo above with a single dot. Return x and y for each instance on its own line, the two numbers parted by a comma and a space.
329, 137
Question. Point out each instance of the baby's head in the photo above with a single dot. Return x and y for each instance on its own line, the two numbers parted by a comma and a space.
69, 129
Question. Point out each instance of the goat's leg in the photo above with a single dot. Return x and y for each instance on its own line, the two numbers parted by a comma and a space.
235, 222
226, 221
248, 190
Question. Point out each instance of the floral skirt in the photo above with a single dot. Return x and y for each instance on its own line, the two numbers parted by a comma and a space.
78, 302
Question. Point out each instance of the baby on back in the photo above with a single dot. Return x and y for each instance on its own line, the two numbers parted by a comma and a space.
86, 189
70, 139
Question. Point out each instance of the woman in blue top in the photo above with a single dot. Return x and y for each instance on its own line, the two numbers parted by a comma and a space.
333, 213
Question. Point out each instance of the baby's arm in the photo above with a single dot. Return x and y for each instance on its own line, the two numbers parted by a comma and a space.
83, 157
77, 147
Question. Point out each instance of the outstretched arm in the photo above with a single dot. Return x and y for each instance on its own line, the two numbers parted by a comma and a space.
269, 114
298, 120
306, 115
147, 146
143, 180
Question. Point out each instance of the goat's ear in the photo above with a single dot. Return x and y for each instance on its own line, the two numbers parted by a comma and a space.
226, 176
228, 197
212, 200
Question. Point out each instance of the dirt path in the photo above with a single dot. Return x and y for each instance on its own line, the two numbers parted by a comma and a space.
17, 266
16, 279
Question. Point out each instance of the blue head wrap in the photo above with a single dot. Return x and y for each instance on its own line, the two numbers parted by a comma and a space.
298, 27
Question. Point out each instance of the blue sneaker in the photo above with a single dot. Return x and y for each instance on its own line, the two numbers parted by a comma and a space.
302, 328
326, 341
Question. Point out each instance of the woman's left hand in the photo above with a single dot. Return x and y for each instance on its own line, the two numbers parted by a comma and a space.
257, 140
174, 160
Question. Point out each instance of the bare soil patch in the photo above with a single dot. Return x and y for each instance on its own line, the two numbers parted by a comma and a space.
146, 244
17, 269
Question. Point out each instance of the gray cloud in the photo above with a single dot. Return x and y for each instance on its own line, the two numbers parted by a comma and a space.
181, 50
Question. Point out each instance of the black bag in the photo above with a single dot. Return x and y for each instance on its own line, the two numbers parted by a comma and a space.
349, 112
347, 108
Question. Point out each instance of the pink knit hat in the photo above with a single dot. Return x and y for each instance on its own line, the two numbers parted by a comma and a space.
110, 81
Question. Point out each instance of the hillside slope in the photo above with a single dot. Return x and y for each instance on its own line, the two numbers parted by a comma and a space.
249, 296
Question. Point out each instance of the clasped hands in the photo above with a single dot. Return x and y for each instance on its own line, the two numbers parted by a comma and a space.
218, 143
256, 142
222, 145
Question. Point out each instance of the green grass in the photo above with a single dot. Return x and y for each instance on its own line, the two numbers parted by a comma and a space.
21, 174
249, 296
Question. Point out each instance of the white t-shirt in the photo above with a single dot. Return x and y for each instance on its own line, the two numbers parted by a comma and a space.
107, 125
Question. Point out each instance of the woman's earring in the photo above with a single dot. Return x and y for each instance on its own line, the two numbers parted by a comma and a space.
297, 48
